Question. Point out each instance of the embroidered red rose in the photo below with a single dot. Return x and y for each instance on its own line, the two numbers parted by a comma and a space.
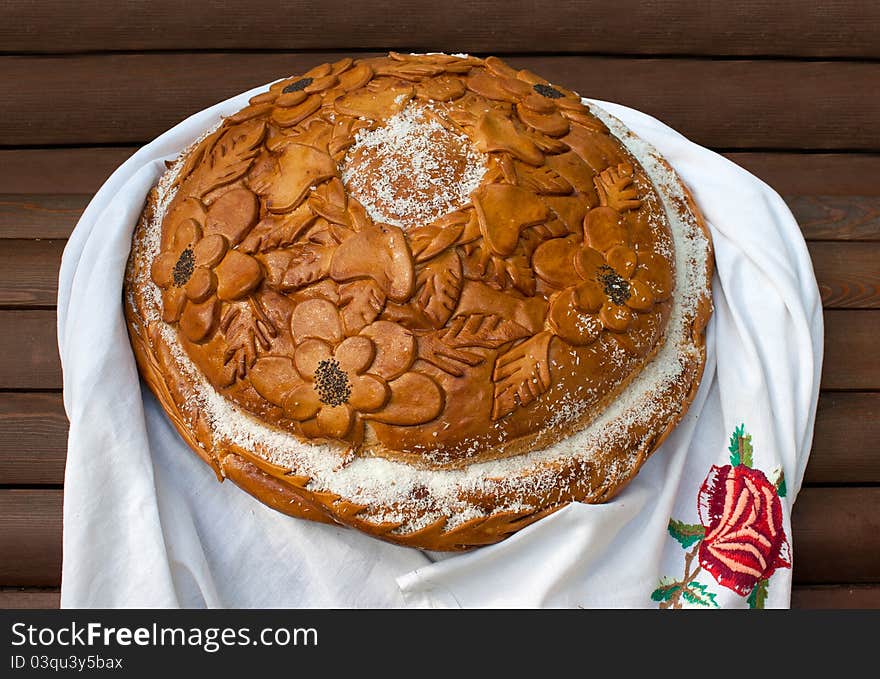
744, 541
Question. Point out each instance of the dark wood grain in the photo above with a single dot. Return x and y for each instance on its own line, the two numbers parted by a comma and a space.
836, 536
40, 215
848, 274
29, 598
65, 170
854, 218
845, 448
712, 27
29, 272
33, 439
835, 596
101, 98
814, 174
30, 537
29, 351
851, 350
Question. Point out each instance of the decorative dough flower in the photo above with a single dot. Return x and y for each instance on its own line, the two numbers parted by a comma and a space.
334, 382
195, 273
603, 281
742, 514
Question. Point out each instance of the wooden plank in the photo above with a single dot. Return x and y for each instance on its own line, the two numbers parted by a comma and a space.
848, 274
100, 98
40, 215
29, 350
29, 272
29, 598
814, 174
83, 169
836, 536
854, 218
802, 597
845, 439
30, 538
33, 439
850, 350
29, 355
65, 170
844, 218
835, 596
712, 27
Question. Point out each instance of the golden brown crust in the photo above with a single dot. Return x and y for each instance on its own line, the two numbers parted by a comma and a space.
593, 480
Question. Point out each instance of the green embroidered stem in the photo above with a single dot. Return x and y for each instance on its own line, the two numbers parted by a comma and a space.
683, 585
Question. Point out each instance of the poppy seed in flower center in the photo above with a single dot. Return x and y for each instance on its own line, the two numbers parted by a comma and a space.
332, 383
184, 268
547, 91
616, 287
300, 84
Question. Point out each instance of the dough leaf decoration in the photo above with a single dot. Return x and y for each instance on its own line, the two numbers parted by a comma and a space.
438, 286
330, 202
448, 349
521, 375
275, 232
229, 159
360, 302
430, 240
295, 267
615, 188
248, 330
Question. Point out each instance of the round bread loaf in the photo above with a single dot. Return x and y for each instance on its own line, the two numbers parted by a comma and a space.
430, 297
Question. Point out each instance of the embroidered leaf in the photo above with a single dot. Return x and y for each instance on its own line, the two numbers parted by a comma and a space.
361, 303
665, 592
229, 158
430, 240
698, 594
615, 188
758, 597
278, 232
777, 478
447, 349
292, 268
686, 533
247, 329
740, 447
438, 286
521, 374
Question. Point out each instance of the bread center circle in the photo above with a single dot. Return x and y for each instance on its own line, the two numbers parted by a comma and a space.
412, 170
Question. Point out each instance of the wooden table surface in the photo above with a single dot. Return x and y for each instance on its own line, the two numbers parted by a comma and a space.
788, 89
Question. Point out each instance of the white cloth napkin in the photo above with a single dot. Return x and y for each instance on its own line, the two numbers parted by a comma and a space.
147, 525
